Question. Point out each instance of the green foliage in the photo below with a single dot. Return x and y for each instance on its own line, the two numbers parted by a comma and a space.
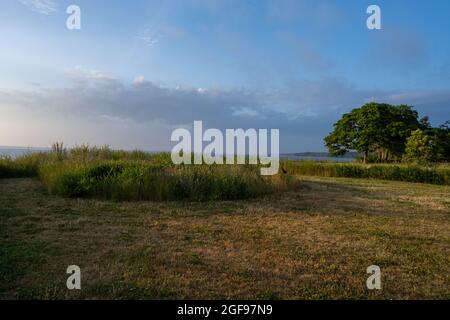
408, 173
442, 135
421, 148
25, 166
374, 128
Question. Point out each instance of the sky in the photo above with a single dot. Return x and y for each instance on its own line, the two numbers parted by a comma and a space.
137, 70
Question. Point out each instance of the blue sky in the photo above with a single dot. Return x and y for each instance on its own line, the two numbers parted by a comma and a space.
138, 69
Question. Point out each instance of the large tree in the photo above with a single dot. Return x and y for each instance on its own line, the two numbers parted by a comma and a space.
377, 128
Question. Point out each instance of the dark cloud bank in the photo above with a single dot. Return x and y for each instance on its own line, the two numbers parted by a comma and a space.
304, 112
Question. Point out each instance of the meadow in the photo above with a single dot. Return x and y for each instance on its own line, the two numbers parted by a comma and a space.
238, 236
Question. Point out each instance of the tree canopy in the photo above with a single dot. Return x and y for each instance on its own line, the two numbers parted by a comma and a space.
380, 130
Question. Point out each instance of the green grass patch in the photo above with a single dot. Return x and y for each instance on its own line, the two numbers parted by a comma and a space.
439, 174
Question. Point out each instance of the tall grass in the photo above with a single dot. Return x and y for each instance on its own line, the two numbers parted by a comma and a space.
95, 172
438, 174
25, 166
141, 180
28, 164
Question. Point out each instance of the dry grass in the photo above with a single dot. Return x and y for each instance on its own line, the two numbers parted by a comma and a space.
314, 243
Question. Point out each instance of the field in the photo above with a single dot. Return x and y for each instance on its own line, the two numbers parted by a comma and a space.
314, 242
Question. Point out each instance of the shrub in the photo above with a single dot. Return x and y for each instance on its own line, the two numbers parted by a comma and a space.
420, 148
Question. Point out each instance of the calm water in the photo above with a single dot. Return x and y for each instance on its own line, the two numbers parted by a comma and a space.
16, 152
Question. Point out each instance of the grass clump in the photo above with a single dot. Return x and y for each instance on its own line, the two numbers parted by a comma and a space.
438, 174
104, 173
141, 180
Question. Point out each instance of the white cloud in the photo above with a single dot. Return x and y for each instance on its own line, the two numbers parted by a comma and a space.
41, 6
139, 81
96, 77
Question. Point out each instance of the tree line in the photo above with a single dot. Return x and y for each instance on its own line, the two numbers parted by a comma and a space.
382, 132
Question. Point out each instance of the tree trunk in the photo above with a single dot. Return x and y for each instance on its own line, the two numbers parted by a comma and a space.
365, 156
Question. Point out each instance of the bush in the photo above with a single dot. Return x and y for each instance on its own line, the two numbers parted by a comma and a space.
421, 148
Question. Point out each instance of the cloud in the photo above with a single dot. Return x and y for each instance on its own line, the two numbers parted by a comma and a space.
435, 103
41, 6
304, 111
139, 81
95, 93
84, 77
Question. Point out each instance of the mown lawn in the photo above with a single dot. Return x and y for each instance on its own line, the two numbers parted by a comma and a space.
312, 243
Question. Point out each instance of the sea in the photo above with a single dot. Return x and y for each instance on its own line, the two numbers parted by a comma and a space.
15, 152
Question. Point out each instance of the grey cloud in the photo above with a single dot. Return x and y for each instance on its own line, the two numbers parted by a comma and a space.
434, 103
303, 111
